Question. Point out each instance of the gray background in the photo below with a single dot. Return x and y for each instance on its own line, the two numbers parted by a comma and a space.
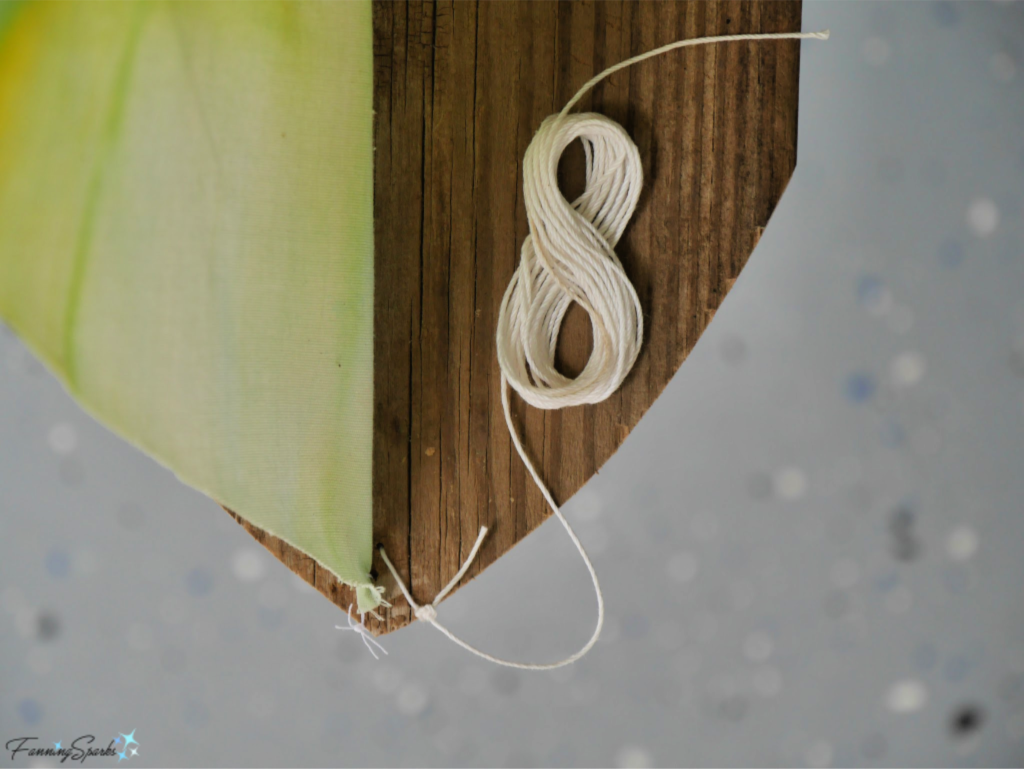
811, 547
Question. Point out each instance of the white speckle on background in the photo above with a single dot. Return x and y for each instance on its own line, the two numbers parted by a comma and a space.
633, 757
906, 696
983, 217
962, 543
790, 483
907, 369
412, 699
248, 565
63, 438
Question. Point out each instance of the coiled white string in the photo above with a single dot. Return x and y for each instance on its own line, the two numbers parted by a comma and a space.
569, 256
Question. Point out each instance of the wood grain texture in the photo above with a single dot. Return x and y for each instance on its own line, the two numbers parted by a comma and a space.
459, 90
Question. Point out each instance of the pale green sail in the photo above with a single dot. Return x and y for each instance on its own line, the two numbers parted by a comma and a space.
186, 239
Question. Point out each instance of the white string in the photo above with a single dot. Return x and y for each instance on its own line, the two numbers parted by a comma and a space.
822, 35
360, 629
569, 256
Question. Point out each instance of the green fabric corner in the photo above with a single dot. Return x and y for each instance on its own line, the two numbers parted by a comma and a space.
186, 192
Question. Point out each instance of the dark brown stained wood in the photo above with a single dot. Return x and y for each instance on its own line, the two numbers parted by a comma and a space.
459, 90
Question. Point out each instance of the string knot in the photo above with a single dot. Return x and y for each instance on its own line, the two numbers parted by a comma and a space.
426, 613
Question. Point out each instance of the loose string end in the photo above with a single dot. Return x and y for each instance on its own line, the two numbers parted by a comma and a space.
360, 629
687, 43
428, 612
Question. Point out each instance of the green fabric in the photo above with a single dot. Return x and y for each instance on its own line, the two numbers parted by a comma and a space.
187, 241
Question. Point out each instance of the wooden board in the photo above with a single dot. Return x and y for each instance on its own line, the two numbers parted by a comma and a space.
459, 89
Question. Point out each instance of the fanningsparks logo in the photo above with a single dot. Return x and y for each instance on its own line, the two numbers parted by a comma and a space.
124, 746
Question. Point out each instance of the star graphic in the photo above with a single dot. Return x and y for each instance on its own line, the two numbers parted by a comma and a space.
120, 757
56, 745
129, 739
117, 740
135, 752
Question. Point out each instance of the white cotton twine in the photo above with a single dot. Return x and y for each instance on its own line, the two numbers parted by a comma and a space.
360, 629
569, 256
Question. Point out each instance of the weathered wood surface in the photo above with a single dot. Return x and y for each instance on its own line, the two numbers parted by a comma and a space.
459, 90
